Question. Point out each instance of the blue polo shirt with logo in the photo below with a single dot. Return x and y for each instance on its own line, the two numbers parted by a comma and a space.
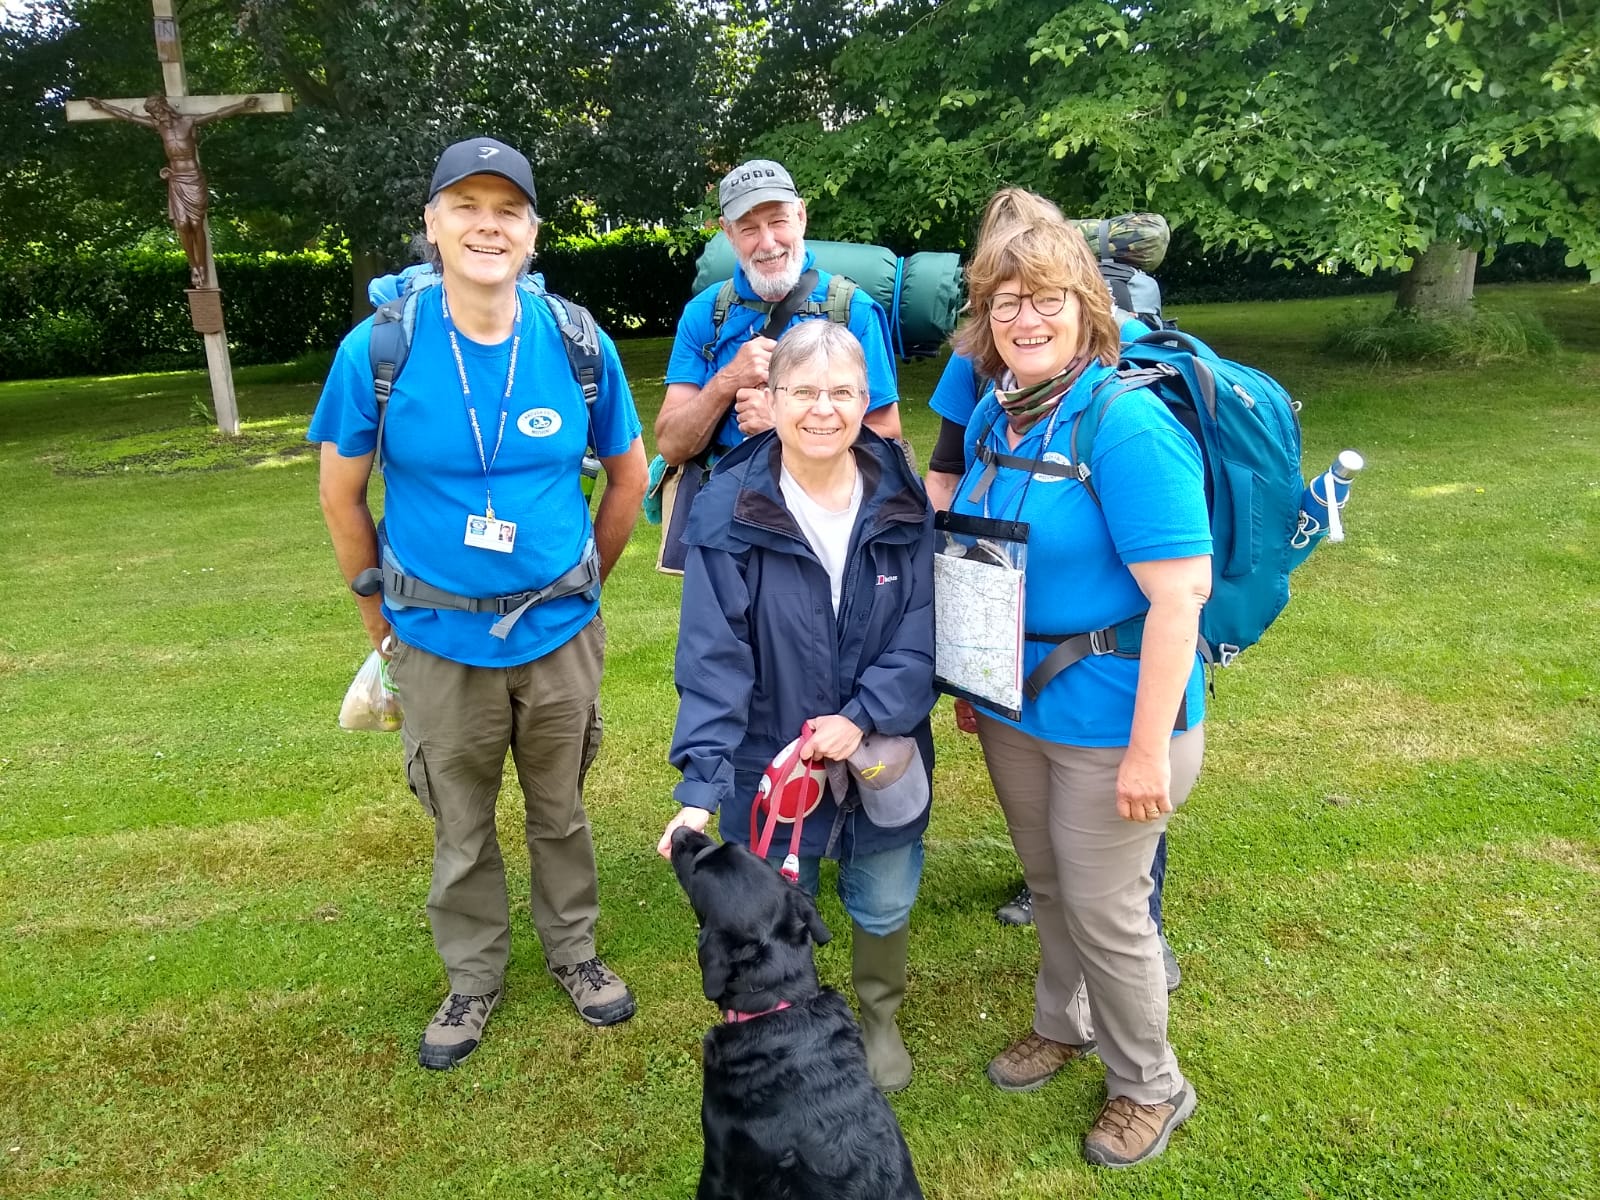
433, 478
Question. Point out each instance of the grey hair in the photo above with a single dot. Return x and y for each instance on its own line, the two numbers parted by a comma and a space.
425, 251
815, 339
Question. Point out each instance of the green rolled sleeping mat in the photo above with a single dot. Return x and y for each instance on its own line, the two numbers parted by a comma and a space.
921, 294
1137, 239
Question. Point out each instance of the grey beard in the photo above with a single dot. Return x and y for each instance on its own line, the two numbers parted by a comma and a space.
774, 288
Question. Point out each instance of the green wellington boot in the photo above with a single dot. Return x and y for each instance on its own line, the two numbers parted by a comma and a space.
878, 973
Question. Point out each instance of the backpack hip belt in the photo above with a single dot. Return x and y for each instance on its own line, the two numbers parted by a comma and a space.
407, 591
1122, 639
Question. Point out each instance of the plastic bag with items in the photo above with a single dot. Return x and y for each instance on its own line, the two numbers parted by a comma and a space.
372, 702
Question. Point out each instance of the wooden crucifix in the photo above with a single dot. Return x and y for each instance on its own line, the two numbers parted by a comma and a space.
176, 116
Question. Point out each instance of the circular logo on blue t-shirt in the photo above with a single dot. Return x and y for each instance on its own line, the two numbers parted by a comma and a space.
1051, 456
539, 422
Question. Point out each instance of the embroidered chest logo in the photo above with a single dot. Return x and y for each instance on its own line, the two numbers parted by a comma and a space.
887, 579
539, 422
1051, 456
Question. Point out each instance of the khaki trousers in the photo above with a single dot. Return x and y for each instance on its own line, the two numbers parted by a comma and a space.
1100, 974
459, 723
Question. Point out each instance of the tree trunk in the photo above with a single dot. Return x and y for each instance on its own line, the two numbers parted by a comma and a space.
364, 264
1439, 282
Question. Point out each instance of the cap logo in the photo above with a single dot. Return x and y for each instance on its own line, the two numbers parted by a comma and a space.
488, 151
873, 771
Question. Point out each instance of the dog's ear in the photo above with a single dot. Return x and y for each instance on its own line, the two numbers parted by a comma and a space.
805, 909
713, 964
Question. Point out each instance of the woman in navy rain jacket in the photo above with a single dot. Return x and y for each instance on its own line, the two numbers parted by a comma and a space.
808, 596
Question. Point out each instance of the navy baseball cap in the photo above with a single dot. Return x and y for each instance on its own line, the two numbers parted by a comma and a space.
482, 156
758, 181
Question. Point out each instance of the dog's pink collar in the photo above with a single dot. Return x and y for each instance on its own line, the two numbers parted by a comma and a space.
733, 1017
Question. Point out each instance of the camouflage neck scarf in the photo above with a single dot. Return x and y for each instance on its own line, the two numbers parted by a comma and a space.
1026, 407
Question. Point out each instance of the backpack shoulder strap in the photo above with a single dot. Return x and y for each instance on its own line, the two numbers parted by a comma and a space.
1080, 444
841, 291
580, 337
727, 297
393, 325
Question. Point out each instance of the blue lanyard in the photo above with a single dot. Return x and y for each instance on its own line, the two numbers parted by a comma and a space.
1044, 447
466, 394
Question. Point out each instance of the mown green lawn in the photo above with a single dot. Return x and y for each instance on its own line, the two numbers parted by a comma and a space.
215, 963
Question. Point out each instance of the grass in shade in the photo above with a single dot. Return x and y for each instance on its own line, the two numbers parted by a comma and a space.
216, 964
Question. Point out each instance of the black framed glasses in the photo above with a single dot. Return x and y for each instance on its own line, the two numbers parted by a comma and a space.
1046, 301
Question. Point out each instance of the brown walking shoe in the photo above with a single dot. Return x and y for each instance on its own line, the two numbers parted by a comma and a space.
456, 1029
1026, 1065
600, 997
1126, 1133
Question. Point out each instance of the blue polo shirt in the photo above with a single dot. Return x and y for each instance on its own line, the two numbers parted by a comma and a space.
433, 479
1146, 468
700, 350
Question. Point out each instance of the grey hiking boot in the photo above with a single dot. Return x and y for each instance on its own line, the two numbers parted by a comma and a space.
1016, 911
456, 1029
1031, 1063
600, 997
1169, 960
1126, 1133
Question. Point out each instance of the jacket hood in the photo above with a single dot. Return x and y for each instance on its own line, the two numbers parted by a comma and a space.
742, 503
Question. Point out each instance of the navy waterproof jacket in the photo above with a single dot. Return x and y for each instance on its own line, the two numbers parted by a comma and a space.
760, 650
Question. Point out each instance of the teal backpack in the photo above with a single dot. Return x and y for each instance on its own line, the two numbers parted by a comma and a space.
1249, 435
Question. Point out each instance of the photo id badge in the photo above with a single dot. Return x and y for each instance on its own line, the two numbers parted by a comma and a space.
487, 533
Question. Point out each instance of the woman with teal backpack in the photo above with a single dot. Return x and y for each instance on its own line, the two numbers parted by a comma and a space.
1109, 745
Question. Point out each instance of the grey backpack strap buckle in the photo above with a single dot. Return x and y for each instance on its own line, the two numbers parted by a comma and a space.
1121, 639
577, 580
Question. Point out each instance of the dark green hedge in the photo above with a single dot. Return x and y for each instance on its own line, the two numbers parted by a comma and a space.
127, 312
1189, 275
85, 314
635, 281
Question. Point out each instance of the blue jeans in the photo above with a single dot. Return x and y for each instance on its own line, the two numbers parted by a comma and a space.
877, 890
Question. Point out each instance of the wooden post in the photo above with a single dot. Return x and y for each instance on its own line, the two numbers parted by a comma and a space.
176, 121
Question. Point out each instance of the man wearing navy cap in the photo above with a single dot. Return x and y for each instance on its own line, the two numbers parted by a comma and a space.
717, 373
490, 607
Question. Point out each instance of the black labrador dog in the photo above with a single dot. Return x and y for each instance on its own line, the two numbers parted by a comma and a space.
787, 1108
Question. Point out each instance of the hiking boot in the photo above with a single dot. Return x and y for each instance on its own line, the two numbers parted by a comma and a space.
1126, 1133
456, 1029
600, 997
1029, 1064
1018, 910
1169, 960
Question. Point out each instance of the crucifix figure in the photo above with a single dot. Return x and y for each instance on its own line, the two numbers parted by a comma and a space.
176, 116
186, 185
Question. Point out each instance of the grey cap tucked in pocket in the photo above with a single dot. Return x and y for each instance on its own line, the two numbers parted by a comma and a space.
890, 777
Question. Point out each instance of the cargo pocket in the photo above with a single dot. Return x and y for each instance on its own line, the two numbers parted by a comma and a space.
593, 734
417, 775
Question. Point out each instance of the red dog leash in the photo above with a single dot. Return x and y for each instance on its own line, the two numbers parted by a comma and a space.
778, 790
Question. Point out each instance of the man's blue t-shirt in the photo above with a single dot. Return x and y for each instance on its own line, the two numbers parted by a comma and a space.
1146, 469
433, 478
700, 350
961, 387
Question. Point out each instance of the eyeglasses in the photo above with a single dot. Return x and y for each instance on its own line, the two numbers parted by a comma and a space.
1047, 302
805, 394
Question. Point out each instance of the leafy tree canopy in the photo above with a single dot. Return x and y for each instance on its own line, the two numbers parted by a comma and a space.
615, 101
1324, 131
